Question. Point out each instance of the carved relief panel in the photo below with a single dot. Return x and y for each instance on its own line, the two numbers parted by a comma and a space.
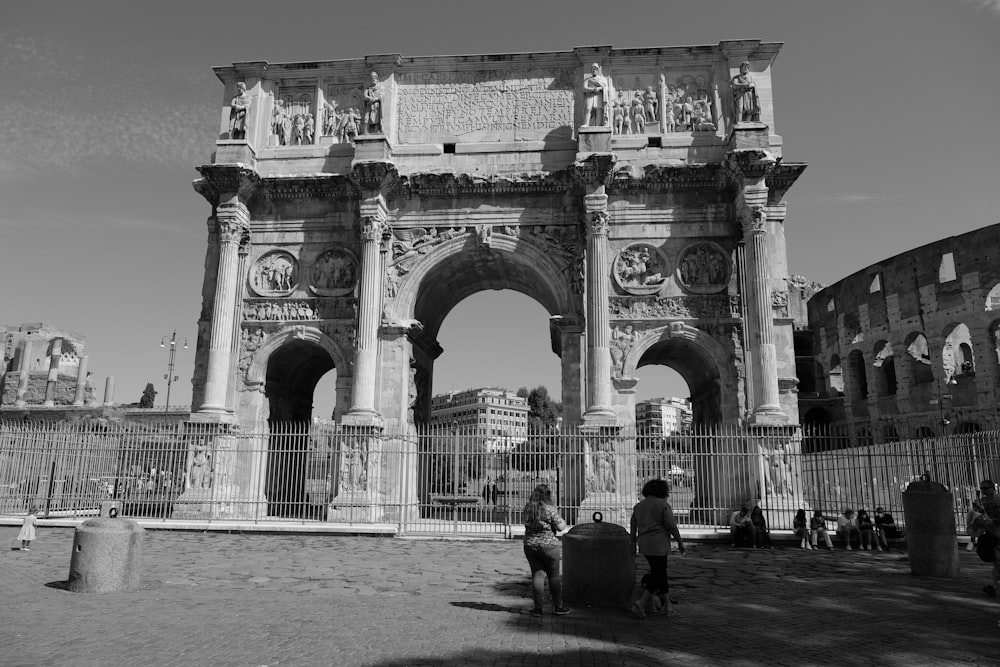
293, 119
334, 273
704, 268
276, 273
485, 105
343, 111
667, 102
640, 268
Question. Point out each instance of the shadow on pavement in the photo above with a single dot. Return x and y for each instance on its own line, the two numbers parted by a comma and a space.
58, 585
487, 606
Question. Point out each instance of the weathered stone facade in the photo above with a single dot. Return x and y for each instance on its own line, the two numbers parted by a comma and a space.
637, 194
911, 342
43, 367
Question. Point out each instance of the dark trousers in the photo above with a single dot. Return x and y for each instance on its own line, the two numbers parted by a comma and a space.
657, 582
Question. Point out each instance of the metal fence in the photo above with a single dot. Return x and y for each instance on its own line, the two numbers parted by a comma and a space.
462, 481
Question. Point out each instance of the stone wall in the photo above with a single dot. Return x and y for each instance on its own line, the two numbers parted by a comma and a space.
912, 341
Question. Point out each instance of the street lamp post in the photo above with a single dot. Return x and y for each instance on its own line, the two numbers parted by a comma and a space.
169, 376
944, 424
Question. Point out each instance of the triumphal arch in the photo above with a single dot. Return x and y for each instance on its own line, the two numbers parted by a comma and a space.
637, 194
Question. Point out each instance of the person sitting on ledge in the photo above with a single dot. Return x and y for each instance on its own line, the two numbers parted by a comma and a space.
761, 536
885, 528
867, 527
817, 529
847, 529
741, 528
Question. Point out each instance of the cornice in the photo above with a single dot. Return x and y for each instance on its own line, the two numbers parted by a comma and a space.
308, 187
218, 180
658, 178
449, 184
781, 178
379, 175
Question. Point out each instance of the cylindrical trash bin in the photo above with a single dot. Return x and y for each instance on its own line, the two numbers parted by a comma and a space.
598, 564
931, 538
107, 556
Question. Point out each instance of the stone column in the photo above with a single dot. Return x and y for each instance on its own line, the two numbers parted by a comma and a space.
567, 342
109, 391
373, 226
233, 223
81, 381
53, 378
598, 318
761, 324
749, 167
25, 367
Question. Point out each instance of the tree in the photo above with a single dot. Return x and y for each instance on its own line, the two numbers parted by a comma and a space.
543, 412
148, 396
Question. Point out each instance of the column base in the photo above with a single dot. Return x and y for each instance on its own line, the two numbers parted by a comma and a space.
600, 417
223, 503
614, 508
362, 418
353, 507
767, 417
213, 416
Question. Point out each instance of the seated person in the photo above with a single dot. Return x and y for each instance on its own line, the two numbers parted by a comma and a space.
817, 529
973, 525
885, 527
847, 529
761, 536
867, 528
741, 528
801, 526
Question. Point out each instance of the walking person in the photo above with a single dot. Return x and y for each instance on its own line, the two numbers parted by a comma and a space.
653, 525
542, 528
27, 534
989, 522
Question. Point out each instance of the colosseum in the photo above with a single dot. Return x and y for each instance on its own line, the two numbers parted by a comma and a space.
905, 348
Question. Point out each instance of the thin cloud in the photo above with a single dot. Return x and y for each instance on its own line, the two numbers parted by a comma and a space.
988, 5
852, 198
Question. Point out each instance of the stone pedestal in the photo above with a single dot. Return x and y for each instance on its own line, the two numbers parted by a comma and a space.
107, 556
353, 507
594, 139
372, 147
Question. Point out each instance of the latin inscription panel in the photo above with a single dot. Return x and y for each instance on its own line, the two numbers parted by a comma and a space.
485, 105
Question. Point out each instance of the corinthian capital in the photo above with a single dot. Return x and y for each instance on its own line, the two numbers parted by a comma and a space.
754, 219
231, 228
374, 227
597, 223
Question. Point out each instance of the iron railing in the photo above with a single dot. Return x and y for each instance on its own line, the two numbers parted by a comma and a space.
459, 481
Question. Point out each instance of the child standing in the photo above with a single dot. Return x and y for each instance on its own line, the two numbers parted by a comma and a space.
27, 534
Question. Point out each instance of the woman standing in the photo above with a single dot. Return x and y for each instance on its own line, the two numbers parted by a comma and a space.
653, 524
542, 528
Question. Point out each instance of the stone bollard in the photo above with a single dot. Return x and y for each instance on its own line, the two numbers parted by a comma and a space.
107, 556
931, 538
598, 564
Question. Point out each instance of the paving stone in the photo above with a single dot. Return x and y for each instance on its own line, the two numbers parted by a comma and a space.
224, 599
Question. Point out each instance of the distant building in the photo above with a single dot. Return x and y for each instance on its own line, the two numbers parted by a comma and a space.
663, 415
43, 367
500, 415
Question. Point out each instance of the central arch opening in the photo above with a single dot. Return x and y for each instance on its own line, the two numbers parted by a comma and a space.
693, 367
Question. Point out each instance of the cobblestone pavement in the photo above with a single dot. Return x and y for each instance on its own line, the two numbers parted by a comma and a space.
259, 599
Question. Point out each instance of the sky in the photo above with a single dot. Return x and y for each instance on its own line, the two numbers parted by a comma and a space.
108, 107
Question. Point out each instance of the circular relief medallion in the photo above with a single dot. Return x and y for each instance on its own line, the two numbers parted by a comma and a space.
703, 268
275, 274
640, 269
334, 273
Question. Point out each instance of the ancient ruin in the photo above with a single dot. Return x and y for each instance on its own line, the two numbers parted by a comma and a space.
637, 194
